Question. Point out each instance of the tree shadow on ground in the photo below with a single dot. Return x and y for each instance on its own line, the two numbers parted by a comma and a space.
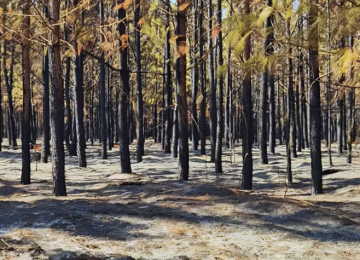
101, 219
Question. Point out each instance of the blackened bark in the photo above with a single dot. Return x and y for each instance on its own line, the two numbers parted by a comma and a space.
288, 136
220, 94
102, 89
227, 100
344, 122
79, 106
25, 137
57, 103
139, 95
111, 115
278, 112
202, 122
116, 119
262, 118
108, 107
340, 106
314, 94
92, 128
9, 88
290, 119
266, 80
181, 92
350, 114
302, 98
306, 124
272, 109
45, 150
125, 94
328, 79
69, 120
1, 114
195, 81
297, 107
154, 116
291, 105
175, 124
247, 171
213, 117
168, 89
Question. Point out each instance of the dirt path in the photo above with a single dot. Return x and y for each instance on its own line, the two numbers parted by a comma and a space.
150, 215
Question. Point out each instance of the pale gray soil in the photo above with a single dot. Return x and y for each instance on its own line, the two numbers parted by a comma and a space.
106, 216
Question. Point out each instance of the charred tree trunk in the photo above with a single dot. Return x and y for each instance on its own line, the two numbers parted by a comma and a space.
45, 150
125, 94
139, 95
344, 122
220, 95
57, 103
340, 122
1, 115
79, 103
154, 116
9, 88
328, 79
278, 112
291, 105
350, 115
69, 120
103, 89
195, 81
25, 137
297, 106
228, 115
247, 171
314, 94
168, 89
181, 92
213, 117
202, 122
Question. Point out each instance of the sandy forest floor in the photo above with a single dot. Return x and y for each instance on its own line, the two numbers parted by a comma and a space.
150, 215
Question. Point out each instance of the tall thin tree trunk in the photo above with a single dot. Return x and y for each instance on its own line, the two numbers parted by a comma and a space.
154, 115
102, 88
45, 150
68, 128
125, 94
1, 113
202, 83
227, 99
247, 171
340, 122
220, 94
25, 137
57, 103
139, 95
278, 112
350, 115
79, 102
344, 123
181, 92
272, 109
298, 110
9, 88
168, 89
328, 79
195, 81
265, 80
291, 105
314, 94
213, 117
